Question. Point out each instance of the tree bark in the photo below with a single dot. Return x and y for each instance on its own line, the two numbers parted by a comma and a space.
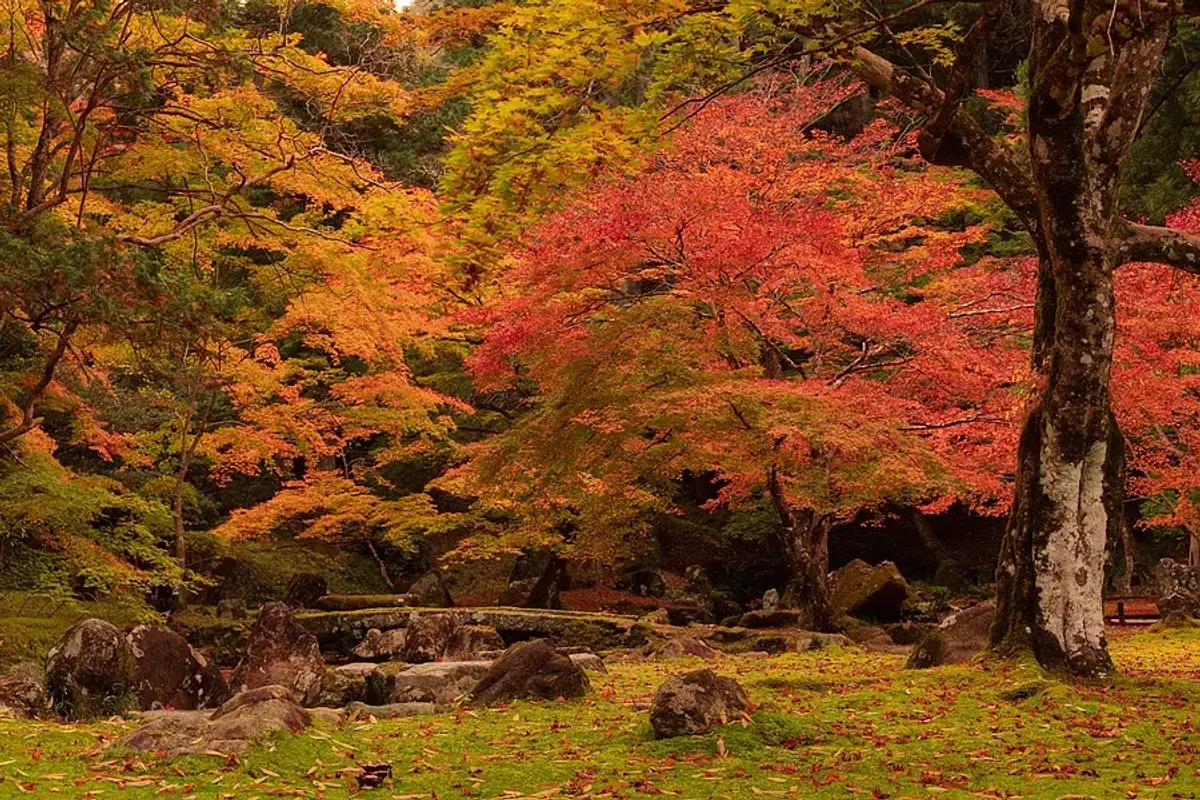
804, 538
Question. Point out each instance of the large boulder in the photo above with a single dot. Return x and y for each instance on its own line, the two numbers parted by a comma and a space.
1172, 577
469, 641
692, 703
170, 673
280, 653
380, 645
530, 671
860, 590
305, 589
441, 683
91, 671
1177, 587
23, 690
428, 636
230, 729
429, 591
958, 639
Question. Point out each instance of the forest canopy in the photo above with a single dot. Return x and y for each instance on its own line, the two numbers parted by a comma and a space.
468, 281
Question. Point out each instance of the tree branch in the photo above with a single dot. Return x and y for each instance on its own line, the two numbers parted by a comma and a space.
1133, 241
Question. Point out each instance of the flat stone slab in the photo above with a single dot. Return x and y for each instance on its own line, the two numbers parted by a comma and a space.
335, 628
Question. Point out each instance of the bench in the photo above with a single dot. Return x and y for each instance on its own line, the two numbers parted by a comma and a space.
1131, 609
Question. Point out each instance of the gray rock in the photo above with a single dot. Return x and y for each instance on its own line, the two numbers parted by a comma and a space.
530, 671
589, 662
23, 690
428, 636
389, 711
281, 653
340, 688
441, 682
957, 640
693, 703
696, 581
469, 640
430, 591
91, 671
380, 645
770, 600
685, 648
171, 673
232, 728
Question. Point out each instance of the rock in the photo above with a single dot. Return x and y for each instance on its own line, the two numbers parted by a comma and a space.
625, 657
547, 591
907, 632
469, 640
644, 582
1171, 577
809, 640
588, 662
771, 619
787, 640
516, 594
860, 590
659, 616
874, 639
361, 602
429, 591
389, 710
770, 600
1178, 589
340, 688
91, 671
232, 608
957, 640
684, 614
22, 690
280, 652
356, 669
230, 729
1176, 606
950, 574
382, 680
428, 636
170, 673
305, 589
380, 645
530, 671
441, 683
692, 703
696, 581
685, 648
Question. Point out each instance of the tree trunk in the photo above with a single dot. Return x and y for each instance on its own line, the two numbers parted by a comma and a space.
924, 530
804, 538
1193, 549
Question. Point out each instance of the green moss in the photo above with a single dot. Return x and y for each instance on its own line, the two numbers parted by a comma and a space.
834, 724
31, 622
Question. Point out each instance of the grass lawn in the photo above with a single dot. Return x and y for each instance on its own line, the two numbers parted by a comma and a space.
836, 724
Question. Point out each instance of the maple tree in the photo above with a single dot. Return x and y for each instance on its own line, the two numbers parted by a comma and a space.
748, 306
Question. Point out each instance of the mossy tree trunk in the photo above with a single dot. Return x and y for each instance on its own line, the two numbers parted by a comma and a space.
1091, 67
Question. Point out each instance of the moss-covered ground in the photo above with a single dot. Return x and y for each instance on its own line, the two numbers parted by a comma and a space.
833, 724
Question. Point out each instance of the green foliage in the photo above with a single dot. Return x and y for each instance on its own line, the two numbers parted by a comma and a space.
61, 530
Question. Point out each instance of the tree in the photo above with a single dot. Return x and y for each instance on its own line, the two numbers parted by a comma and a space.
748, 306
1090, 71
